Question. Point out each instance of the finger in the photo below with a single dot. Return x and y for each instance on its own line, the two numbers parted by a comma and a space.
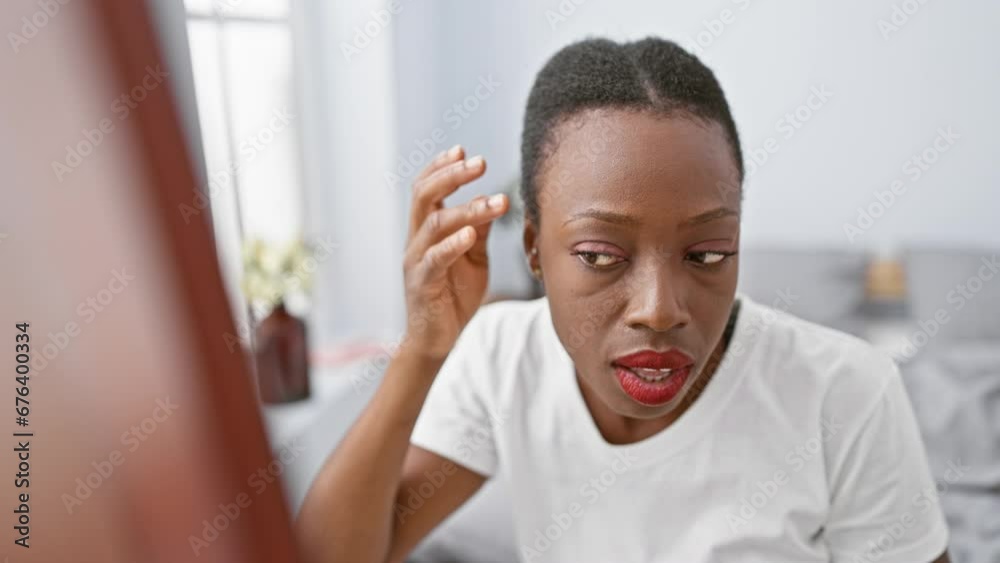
453, 154
477, 254
443, 222
430, 192
442, 255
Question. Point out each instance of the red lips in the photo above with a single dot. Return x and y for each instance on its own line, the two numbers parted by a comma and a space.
649, 359
653, 378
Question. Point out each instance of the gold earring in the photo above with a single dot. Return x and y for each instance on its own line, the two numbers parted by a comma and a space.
537, 271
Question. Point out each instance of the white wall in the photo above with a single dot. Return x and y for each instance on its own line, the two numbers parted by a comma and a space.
347, 106
890, 96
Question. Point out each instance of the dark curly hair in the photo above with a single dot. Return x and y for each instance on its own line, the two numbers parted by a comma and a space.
651, 74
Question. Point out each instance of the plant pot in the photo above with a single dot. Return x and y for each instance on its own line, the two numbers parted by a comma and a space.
281, 357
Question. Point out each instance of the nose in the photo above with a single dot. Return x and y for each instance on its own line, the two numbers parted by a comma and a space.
657, 302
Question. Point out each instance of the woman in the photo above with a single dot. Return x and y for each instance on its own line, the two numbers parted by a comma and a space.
643, 410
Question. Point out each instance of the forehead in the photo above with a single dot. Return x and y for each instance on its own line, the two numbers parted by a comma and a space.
637, 162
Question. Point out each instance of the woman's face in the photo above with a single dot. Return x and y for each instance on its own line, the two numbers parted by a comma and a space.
639, 223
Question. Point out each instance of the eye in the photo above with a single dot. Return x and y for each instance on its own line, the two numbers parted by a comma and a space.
598, 260
708, 257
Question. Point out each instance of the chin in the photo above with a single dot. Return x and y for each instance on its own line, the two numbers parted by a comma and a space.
634, 409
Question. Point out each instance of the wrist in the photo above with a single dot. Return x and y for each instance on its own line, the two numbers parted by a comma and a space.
422, 348
417, 357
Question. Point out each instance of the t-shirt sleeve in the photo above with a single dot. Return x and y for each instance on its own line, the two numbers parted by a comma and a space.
455, 421
884, 502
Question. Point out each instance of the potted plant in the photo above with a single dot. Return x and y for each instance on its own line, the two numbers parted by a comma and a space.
271, 275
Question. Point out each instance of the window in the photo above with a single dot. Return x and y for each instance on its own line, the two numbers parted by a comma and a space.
241, 56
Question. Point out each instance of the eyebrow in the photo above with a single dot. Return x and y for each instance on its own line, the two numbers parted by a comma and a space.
708, 216
606, 216
629, 220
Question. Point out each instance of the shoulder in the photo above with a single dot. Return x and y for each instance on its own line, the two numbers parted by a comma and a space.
504, 326
839, 371
507, 343
499, 333
509, 313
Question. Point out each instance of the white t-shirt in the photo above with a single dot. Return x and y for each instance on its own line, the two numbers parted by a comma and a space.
803, 447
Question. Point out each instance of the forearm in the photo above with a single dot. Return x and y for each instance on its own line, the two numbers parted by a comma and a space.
348, 513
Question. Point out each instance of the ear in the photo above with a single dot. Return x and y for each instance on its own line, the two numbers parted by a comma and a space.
531, 246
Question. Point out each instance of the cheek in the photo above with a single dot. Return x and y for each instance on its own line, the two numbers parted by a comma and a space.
578, 281
583, 316
711, 295
711, 307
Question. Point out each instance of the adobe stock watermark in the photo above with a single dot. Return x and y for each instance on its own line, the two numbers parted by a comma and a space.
454, 117
591, 491
753, 328
564, 10
104, 468
229, 512
227, 6
366, 33
795, 460
922, 502
714, 28
914, 169
249, 149
466, 447
596, 315
323, 251
581, 158
32, 25
417, 322
900, 16
958, 298
782, 302
88, 309
786, 127
121, 107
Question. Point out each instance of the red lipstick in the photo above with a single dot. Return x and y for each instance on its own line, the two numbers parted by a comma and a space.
653, 378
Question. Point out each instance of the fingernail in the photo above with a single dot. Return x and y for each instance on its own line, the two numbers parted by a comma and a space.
453, 151
474, 162
495, 201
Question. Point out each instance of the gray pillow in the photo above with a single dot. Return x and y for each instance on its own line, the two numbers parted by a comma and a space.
822, 286
936, 277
